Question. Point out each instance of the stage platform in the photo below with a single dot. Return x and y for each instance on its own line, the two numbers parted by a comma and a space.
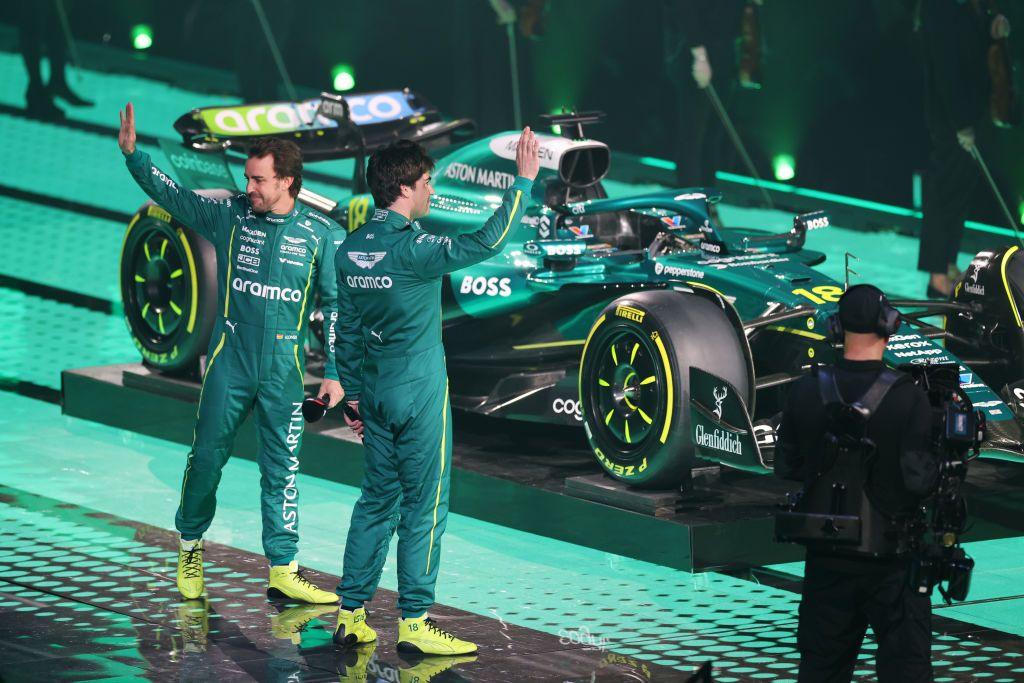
512, 474
536, 478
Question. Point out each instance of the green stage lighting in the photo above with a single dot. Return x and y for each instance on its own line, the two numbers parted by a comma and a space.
784, 167
142, 36
343, 77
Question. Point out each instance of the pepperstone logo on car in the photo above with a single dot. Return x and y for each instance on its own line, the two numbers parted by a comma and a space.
366, 259
677, 271
270, 292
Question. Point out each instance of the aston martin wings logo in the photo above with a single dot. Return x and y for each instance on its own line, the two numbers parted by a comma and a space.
366, 259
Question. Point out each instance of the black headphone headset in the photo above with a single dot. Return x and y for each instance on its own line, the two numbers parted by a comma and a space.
888, 318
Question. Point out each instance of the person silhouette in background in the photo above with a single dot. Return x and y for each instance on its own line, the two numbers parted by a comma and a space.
39, 30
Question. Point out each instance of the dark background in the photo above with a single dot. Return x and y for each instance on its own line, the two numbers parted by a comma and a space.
842, 93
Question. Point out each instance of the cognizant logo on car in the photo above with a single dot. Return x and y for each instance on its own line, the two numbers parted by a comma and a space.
368, 282
266, 291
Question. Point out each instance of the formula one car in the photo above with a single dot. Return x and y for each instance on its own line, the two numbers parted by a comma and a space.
663, 336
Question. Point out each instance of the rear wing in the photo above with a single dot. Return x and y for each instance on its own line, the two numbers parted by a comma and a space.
327, 127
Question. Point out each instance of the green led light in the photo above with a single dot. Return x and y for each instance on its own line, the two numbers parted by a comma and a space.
343, 77
658, 163
142, 36
784, 167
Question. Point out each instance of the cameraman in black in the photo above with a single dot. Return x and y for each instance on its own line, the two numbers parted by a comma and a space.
847, 588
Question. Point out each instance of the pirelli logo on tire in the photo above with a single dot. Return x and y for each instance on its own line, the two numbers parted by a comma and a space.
630, 313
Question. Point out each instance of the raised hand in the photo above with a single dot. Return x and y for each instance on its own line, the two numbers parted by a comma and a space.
126, 136
527, 154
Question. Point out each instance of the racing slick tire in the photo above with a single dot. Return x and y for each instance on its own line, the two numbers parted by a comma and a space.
995, 279
168, 289
634, 377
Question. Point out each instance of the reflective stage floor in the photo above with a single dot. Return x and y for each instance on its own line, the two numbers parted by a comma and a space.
86, 561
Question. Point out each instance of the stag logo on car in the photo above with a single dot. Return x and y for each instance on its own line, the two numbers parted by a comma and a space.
366, 259
270, 292
973, 287
491, 286
568, 406
721, 393
630, 313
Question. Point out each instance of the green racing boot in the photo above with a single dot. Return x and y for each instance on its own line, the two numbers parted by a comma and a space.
352, 628
422, 635
190, 569
286, 581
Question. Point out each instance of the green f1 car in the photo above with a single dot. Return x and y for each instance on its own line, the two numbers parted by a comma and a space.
663, 336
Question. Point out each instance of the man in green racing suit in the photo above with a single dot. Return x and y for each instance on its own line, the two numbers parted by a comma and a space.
391, 361
272, 256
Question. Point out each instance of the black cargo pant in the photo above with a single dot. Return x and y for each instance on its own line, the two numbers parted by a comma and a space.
949, 182
840, 600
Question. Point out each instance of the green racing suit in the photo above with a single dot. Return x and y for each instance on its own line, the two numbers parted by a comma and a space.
389, 356
268, 270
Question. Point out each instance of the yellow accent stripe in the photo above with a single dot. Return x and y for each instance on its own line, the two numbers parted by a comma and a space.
139, 278
145, 309
704, 286
608, 417
163, 249
1006, 284
193, 280
131, 224
603, 383
145, 250
547, 345
628, 440
160, 322
515, 205
632, 355
648, 380
799, 333
305, 291
645, 416
175, 274
615, 356
668, 382
209, 367
440, 479
227, 281
298, 367
579, 382
175, 307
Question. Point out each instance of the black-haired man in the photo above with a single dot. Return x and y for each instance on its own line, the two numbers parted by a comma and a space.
391, 360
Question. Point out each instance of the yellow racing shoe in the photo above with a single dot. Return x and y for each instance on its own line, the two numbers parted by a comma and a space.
286, 581
352, 668
289, 624
190, 569
427, 668
424, 636
194, 623
352, 628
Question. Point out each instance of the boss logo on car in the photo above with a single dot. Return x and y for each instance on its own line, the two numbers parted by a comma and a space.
491, 286
568, 406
